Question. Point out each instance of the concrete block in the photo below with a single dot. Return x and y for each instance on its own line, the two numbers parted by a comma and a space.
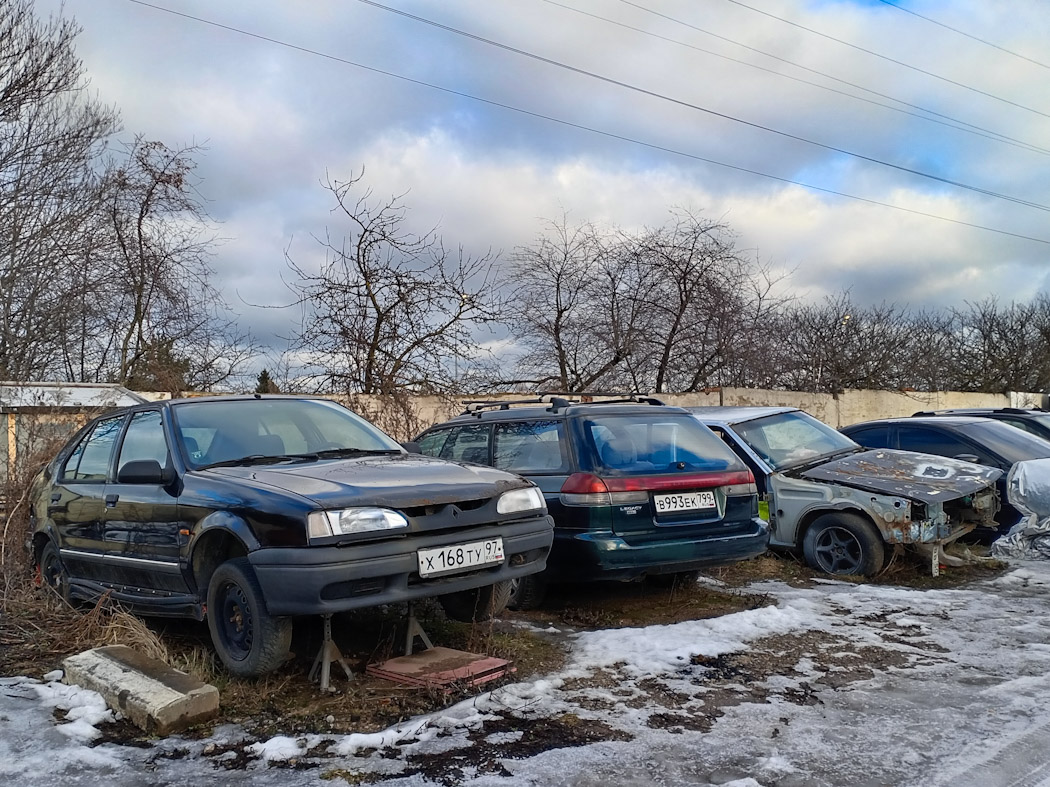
156, 697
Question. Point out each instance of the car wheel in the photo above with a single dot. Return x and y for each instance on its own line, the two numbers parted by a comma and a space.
249, 640
679, 580
478, 604
527, 592
844, 543
53, 572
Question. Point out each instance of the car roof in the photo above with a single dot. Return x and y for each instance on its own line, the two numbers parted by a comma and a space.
736, 415
548, 411
1033, 411
939, 420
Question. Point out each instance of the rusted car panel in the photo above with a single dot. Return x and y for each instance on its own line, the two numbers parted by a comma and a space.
931, 479
901, 519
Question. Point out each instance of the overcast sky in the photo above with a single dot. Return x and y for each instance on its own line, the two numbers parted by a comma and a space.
752, 111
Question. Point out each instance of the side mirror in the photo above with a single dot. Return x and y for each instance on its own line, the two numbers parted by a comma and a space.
412, 447
971, 458
145, 471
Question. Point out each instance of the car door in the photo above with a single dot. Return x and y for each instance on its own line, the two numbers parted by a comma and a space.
142, 514
76, 504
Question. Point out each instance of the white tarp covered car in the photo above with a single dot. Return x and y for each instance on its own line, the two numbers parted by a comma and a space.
1028, 490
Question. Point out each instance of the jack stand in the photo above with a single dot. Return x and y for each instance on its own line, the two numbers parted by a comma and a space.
415, 630
328, 653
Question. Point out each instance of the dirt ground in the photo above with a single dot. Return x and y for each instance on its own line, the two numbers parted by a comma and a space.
287, 703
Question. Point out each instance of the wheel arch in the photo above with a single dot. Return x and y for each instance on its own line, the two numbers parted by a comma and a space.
219, 538
811, 516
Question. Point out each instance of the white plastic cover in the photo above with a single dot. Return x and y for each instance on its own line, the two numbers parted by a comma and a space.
1028, 490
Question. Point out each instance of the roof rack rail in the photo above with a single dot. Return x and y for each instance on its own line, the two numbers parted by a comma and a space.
476, 406
620, 397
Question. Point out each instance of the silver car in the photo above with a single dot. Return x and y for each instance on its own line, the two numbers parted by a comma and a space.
844, 506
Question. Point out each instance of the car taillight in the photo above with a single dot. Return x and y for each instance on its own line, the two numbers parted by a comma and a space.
587, 489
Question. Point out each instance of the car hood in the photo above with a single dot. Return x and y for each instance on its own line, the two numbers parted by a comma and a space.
391, 480
905, 474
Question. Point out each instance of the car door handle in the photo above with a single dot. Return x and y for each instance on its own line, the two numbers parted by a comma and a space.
111, 500
56, 496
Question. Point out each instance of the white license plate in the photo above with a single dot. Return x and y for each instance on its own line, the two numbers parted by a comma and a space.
684, 501
460, 557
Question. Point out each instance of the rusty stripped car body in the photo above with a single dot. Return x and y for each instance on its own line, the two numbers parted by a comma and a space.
841, 504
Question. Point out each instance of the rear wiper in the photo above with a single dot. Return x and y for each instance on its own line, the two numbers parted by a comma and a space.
330, 453
262, 459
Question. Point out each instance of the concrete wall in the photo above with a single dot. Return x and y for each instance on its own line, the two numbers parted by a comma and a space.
848, 407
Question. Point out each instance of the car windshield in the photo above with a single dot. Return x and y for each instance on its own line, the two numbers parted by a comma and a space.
792, 438
214, 432
1013, 445
654, 443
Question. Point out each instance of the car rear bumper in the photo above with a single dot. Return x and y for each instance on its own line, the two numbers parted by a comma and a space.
324, 580
591, 555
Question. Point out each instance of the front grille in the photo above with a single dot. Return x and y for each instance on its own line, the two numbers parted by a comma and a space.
431, 510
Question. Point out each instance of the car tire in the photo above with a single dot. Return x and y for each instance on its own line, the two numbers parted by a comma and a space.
53, 571
477, 605
844, 543
527, 592
249, 641
679, 580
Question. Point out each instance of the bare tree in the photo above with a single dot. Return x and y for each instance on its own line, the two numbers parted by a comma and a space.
702, 298
665, 309
1001, 347
145, 311
51, 135
389, 311
572, 309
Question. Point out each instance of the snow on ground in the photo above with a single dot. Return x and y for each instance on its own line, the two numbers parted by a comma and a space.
835, 684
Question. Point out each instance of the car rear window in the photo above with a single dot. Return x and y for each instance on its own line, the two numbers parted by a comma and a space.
657, 443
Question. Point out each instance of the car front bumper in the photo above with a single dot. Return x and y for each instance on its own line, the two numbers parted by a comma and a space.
325, 580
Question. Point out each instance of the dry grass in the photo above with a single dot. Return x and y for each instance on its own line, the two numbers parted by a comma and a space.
38, 629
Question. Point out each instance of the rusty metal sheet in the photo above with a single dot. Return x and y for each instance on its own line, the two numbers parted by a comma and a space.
924, 477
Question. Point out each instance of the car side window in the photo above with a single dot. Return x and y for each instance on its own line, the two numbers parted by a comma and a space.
467, 444
432, 442
143, 440
91, 458
530, 447
872, 437
931, 441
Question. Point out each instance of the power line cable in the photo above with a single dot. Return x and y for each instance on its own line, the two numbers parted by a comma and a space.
964, 33
949, 122
698, 108
580, 126
810, 70
886, 58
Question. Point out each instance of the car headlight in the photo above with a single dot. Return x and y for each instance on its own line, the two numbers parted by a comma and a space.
350, 521
528, 499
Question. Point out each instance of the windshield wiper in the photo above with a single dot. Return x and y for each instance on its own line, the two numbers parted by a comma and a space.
262, 459
804, 464
330, 453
